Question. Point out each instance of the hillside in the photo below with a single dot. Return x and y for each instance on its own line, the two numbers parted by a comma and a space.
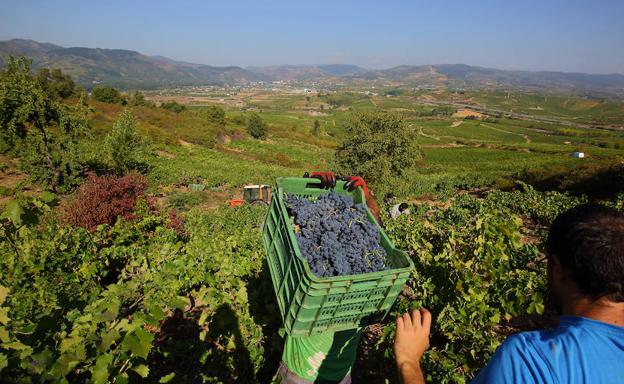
153, 278
131, 69
123, 68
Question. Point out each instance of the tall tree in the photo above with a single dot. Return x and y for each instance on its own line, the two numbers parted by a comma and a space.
380, 147
38, 127
256, 127
123, 142
56, 83
216, 114
108, 94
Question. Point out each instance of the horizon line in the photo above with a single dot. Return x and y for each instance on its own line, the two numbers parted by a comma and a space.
317, 64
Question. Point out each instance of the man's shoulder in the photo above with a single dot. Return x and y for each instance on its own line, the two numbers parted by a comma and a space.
572, 332
526, 343
518, 360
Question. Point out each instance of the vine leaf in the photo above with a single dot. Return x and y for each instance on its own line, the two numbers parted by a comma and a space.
13, 211
139, 342
4, 292
100, 370
142, 370
167, 378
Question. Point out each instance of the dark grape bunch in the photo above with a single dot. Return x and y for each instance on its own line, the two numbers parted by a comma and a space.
335, 236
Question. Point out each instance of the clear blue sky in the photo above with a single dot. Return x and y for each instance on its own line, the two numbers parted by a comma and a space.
570, 35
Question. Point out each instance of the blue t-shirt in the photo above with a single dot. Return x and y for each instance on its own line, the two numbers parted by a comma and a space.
580, 350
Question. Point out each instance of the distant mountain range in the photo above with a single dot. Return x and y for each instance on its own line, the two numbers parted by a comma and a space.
123, 68
131, 69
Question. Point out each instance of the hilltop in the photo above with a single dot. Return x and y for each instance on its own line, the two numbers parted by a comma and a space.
131, 69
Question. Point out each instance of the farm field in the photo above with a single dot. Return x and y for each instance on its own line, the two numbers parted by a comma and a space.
172, 286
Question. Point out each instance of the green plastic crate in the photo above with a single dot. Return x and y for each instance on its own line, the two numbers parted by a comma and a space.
310, 304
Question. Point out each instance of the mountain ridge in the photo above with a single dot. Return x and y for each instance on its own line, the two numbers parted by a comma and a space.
131, 69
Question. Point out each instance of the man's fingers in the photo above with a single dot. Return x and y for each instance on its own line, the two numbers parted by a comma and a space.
407, 320
416, 321
327, 182
399, 323
426, 318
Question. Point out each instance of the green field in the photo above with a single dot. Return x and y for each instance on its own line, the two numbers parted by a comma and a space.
174, 286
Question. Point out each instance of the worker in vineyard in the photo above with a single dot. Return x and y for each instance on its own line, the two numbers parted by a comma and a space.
399, 209
585, 253
326, 357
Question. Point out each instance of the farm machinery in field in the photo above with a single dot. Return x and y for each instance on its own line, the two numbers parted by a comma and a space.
258, 194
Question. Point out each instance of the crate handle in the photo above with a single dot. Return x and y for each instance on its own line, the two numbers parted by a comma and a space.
313, 185
364, 284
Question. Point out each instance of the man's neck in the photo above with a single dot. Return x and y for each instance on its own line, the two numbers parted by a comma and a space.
602, 310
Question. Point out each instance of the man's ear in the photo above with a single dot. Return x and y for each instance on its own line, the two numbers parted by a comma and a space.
558, 272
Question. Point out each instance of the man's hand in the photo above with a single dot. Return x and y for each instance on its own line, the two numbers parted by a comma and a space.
410, 343
328, 179
356, 181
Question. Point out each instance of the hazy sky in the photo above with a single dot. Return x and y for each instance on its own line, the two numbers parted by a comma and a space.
570, 35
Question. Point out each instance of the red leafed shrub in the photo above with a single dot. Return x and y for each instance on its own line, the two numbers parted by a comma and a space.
177, 224
101, 199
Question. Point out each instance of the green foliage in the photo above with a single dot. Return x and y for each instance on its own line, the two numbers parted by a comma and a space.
475, 272
137, 99
22, 102
123, 143
316, 128
55, 83
539, 207
43, 129
108, 94
239, 119
151, 296
256, 127
380, 147
215, 114
173, 106
184, 200
132, 285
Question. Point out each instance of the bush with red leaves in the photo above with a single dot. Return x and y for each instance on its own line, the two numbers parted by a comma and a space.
177, 224
101, 199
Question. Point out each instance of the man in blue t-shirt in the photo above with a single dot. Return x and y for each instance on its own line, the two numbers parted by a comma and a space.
585, 250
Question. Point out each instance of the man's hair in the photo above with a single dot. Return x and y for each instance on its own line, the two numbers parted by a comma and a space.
588, 241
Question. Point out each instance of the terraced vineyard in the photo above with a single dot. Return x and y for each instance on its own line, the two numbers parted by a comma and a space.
168, 284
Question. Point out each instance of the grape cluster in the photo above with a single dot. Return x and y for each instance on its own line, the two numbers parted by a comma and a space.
335, 235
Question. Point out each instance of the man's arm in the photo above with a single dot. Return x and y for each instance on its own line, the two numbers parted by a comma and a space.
410, 343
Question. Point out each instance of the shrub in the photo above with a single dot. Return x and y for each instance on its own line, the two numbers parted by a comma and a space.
316, 128
101, 199
256, 127
239, 119
216, 114
138, 100
184, 200
56, 83
380, 147
176, 223
173, 106
123, 142
39, 128
107, 94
